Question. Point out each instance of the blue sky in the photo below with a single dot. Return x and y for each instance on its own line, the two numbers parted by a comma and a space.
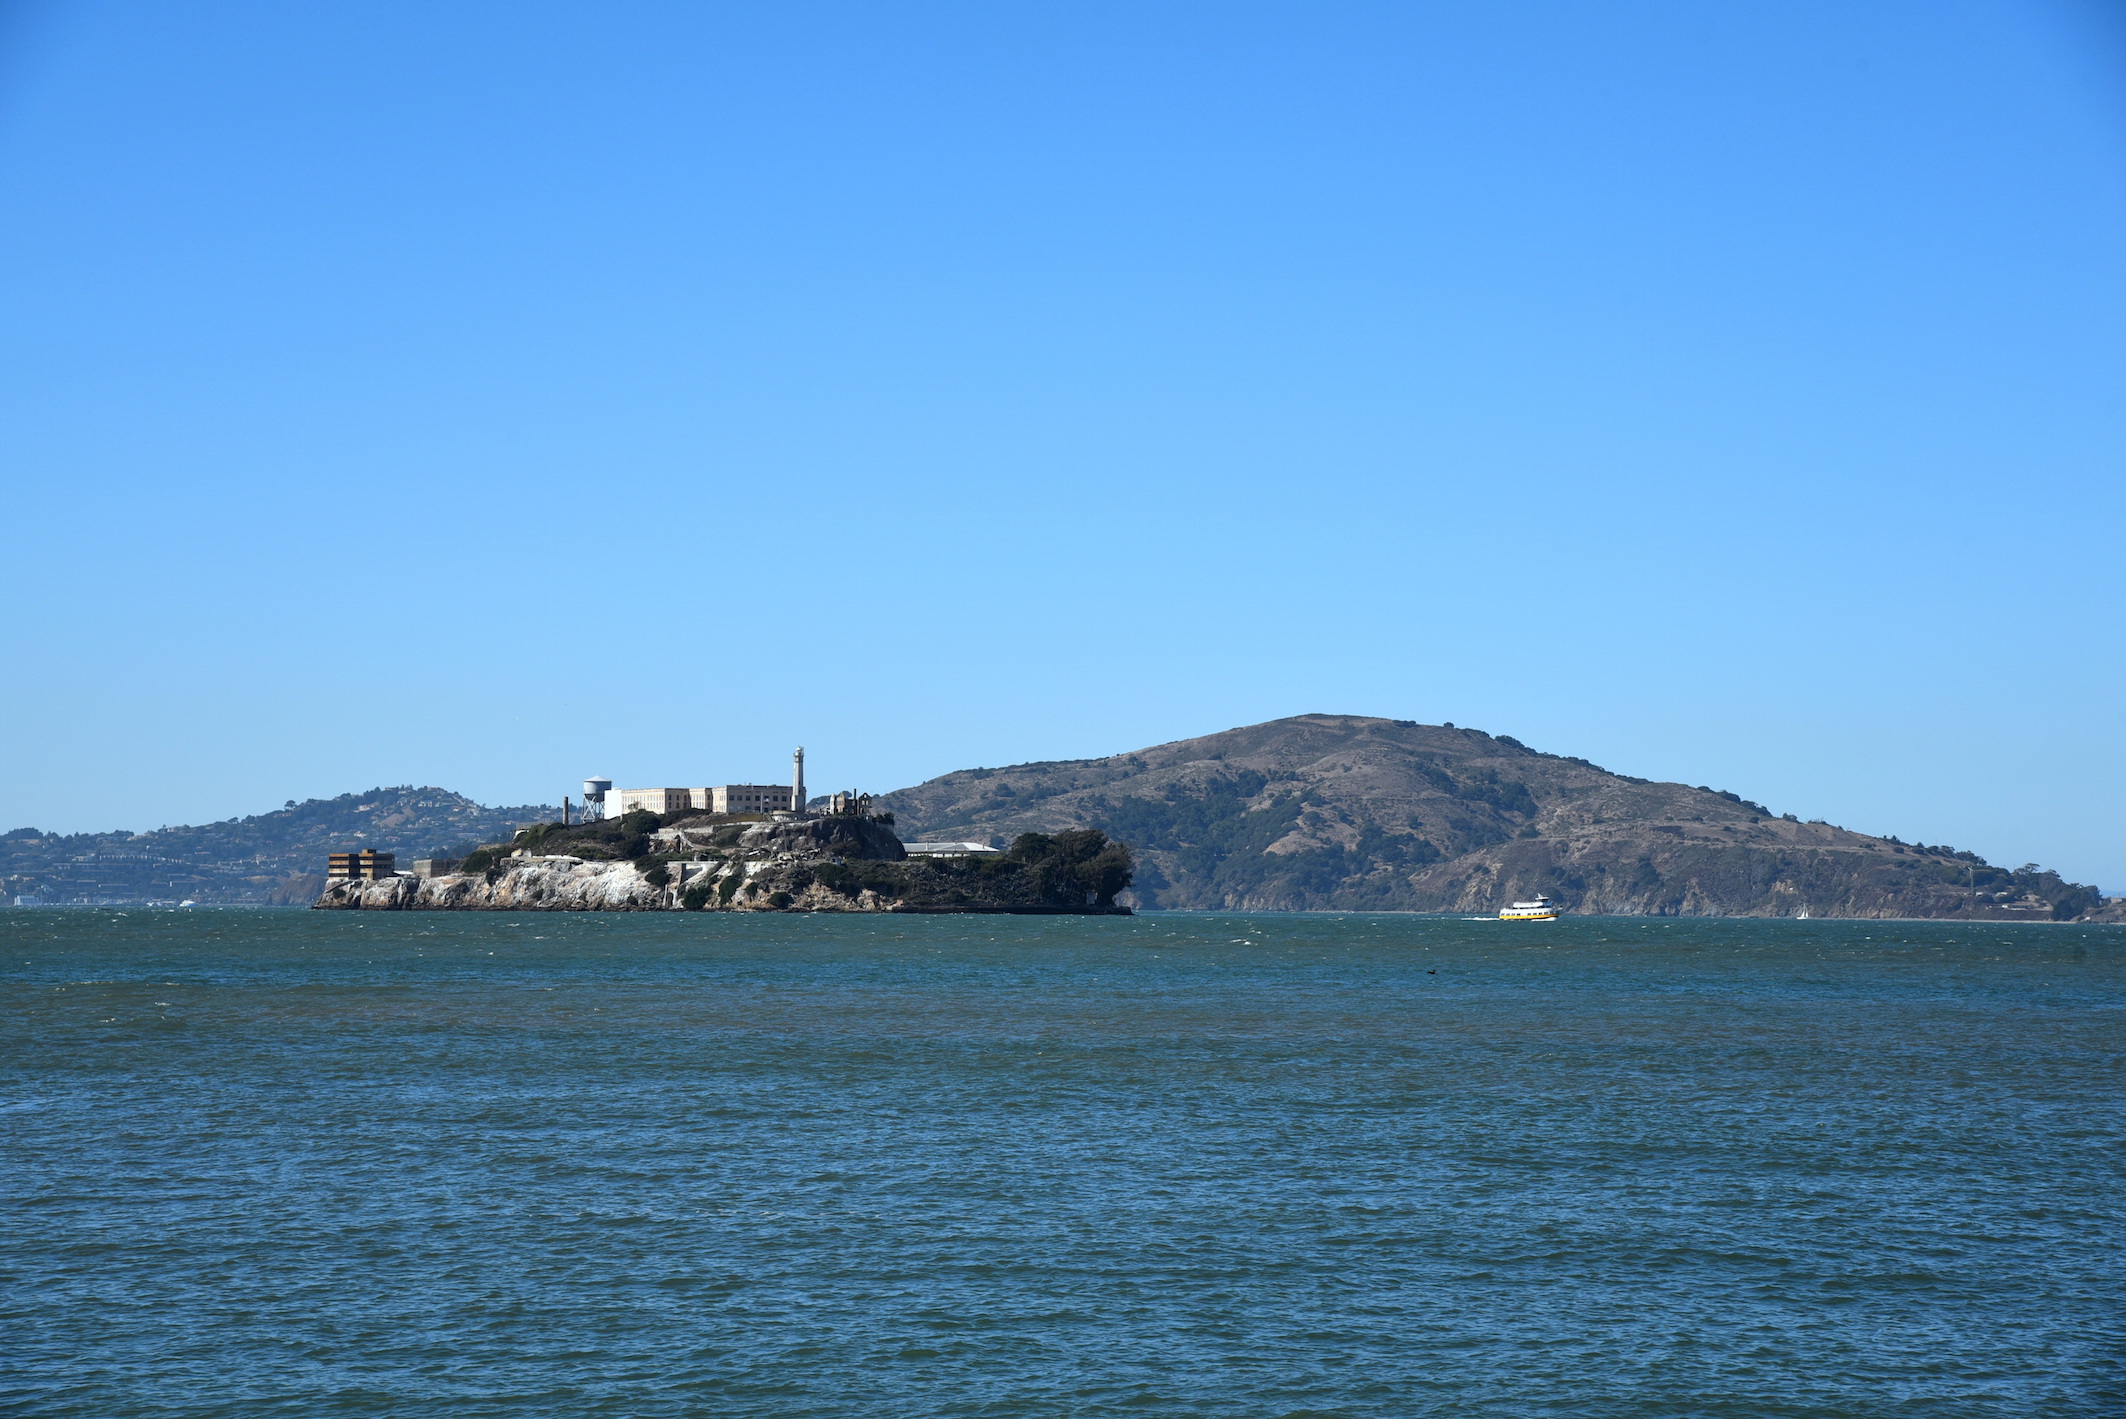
487, 395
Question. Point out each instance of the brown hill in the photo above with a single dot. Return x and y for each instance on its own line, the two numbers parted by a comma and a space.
1345, 812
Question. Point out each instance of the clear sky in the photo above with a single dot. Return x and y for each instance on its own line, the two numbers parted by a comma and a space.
491, 394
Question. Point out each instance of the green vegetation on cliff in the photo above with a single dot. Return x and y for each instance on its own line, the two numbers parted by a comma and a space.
1065, 871
624, 838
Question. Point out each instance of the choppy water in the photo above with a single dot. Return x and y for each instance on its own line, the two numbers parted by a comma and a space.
288, 1163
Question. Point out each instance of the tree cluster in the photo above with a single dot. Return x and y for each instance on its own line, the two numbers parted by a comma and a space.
1077, 867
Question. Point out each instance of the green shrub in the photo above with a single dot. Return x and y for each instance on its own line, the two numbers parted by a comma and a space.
851, 878
696, 897
655, 874
779, 900
482, 858
728, 888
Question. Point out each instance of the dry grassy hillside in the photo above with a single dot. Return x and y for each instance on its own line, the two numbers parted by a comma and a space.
1347, 812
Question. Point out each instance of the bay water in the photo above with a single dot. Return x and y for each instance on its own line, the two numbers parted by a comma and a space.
266, 1162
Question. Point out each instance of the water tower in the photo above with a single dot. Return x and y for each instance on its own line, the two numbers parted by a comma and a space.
594, 791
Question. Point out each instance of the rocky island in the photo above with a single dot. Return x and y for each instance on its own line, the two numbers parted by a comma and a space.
701, 861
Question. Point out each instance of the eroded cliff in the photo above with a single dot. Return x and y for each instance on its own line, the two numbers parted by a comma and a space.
709, 863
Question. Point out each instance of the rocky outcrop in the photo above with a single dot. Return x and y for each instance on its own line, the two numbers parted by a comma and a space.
806, 865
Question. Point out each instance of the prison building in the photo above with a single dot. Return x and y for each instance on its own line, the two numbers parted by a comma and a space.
656, 800
368, 864
748, 798
720, 798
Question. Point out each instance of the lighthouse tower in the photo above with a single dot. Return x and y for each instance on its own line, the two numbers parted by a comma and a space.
797, 780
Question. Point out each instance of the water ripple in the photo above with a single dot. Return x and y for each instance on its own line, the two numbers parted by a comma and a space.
265, 1163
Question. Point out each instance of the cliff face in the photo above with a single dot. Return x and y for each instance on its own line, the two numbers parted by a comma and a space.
1354, 813
702, 864
566, 884
525, 884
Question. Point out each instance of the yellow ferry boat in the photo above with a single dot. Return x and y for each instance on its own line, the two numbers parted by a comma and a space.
1541, 909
